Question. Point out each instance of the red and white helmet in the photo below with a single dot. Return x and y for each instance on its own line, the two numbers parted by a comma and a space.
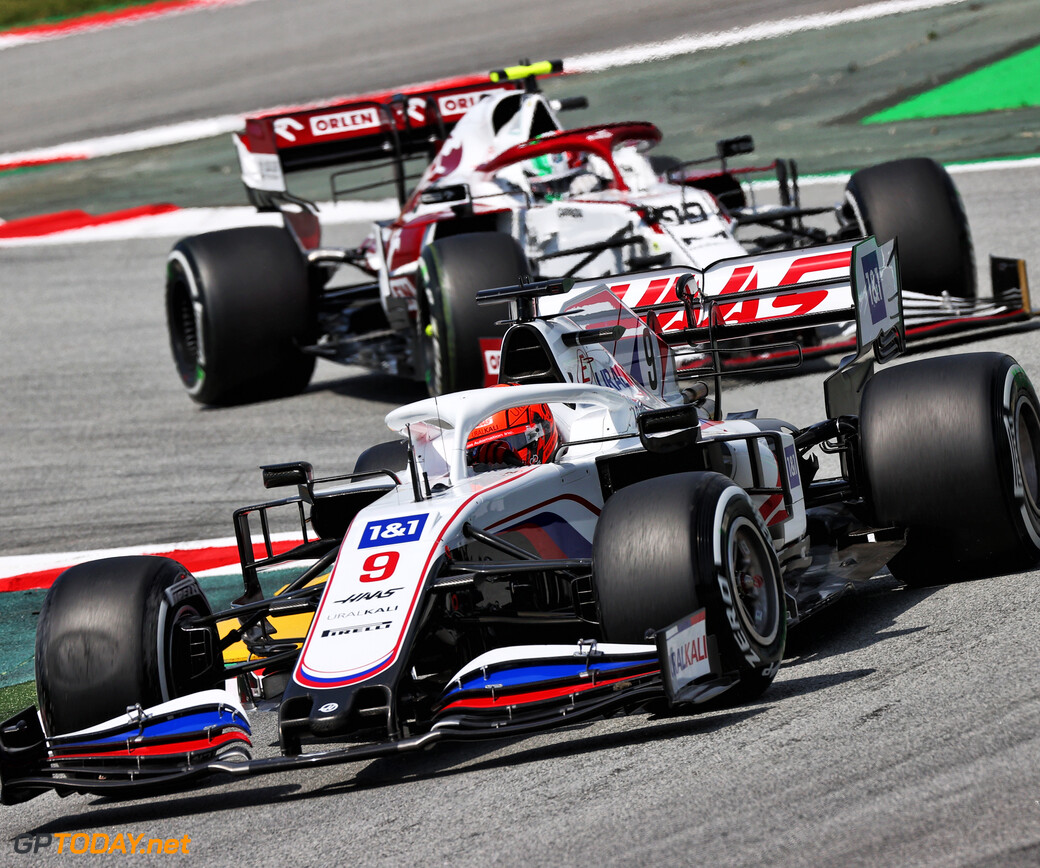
515, 437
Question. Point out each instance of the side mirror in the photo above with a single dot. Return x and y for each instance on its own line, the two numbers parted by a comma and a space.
290, 473
734, 147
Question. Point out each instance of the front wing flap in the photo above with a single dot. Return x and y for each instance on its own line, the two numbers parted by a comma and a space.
511, 691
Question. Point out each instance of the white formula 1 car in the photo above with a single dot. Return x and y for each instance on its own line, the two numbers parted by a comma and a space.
593, 536
506, 191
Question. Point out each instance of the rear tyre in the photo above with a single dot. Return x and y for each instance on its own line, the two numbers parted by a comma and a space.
951, 451
915, 201
238, 307
108, 639
666, 547
451, 323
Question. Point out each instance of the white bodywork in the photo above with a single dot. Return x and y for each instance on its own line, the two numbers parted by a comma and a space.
387, 555
600, 199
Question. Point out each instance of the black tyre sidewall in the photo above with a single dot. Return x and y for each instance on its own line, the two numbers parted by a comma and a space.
916, 201
450, 321
939, 449
104, 637
251, 286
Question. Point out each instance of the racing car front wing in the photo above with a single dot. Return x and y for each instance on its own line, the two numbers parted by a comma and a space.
508, 692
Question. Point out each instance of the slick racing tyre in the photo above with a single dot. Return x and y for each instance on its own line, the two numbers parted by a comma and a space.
916, 202
951, 452
667, 547
451, 323
108, 639
238, 307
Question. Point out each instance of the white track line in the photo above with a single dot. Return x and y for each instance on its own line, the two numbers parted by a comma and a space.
17, 565
636, 54
600, 60
123, 143
192, 221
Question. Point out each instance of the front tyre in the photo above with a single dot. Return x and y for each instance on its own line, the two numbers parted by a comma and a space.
951, 451
451, 323
238, 308
666, 547
109, 638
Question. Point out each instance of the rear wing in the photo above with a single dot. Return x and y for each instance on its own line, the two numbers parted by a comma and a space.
734, 301
729, 310
700, 313
859, 283
799, 290
768, 311
384, 128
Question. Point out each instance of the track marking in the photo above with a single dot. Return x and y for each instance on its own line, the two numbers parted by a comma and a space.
164, 223
168, 221
94, 22
596, 61
636, 54
123, 143
1007, 84
28, 572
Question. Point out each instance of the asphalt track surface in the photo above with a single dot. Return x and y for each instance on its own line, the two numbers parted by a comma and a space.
801, 96
239, 58
902, 729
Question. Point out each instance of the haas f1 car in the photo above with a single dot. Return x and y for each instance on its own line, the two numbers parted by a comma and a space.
491, 187
595, 535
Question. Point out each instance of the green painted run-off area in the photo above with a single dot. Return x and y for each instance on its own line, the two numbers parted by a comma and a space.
1011, 83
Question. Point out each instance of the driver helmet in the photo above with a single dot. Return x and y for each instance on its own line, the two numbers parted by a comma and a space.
550, 175
547, 166
514, 437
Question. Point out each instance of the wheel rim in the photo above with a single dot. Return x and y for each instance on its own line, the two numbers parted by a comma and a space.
753, 578
1027, 444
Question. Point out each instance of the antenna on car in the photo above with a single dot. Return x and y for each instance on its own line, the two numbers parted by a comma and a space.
413, 466
426, 478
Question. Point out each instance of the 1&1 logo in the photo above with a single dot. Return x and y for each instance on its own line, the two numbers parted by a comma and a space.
875, 289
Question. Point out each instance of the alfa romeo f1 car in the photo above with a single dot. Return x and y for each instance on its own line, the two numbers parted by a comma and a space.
593, 536
506, 191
